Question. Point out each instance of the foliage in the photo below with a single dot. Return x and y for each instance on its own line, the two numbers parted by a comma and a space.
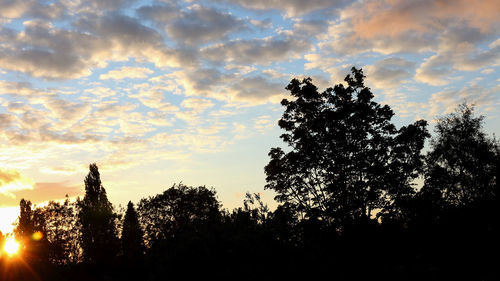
461, 166
346, 158
29, 222
62, 232
132, 237
97, 221
177, 208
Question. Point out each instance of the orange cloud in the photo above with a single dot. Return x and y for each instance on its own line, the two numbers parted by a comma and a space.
41, 192
395, 17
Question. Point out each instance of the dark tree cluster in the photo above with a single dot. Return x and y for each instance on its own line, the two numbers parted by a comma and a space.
359, 199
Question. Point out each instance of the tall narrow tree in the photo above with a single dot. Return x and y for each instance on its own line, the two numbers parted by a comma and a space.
25, 226
132, 235
97, 220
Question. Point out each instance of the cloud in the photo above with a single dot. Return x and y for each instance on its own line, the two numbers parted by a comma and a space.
12, 9
415, 26
262, 24
127, 72
436, 69
239, 89
289, 7
389, 72
38, 117
159, 14
310, 28
12, 181
263, 123
256, 90
200, 82
6, 120
113, 109
130, 38
200, 67
421, 16
343, 40
43, 50
67, 113
197, 104
195, 25
19, 89
201, 25
211, 129
479, 59
63, 170
487, 71
446, 101
257, 51
41, 192
100, 6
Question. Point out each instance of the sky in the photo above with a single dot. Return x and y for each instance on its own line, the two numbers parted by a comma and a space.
162, 92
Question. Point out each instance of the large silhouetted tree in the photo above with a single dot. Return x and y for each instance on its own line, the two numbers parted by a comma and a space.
345, 158
461, 165
97, 221
132, 235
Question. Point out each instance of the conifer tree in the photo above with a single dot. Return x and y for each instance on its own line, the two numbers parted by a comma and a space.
132, 234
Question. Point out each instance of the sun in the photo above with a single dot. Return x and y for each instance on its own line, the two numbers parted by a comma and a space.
11, 246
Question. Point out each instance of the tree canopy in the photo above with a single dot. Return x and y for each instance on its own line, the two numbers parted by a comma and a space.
346, 158
462, 162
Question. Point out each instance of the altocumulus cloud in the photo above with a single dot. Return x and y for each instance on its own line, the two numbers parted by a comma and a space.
129, 83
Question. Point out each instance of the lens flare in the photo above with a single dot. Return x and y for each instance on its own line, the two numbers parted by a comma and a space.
11, 246
37, 236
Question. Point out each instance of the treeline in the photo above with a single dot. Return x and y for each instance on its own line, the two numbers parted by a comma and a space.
358, 198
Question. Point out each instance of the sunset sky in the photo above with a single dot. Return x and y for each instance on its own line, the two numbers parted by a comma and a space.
167, 91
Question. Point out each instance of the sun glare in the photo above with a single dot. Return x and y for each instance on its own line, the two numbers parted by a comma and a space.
8, 216
11, 246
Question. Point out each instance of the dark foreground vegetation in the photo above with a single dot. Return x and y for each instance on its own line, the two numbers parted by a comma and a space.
349, 208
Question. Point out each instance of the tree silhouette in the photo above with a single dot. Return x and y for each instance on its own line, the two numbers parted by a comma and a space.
132, 236
30, 222
177, 208
62, 232
97, 221
461, 165
455, 214
180, 226
345, 154
25, 227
